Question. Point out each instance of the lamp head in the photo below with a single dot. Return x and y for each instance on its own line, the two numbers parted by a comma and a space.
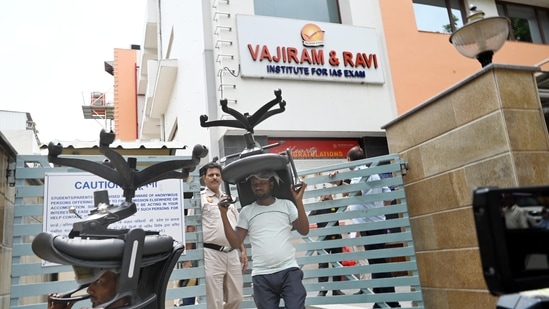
481, 37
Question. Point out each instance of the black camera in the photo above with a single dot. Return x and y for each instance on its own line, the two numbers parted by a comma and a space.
513, 233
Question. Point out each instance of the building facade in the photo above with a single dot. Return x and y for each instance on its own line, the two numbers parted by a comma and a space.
345, 67
20, 130
7, 198
117, 110
18, 135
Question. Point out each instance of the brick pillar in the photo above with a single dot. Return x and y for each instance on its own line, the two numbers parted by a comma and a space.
488, 130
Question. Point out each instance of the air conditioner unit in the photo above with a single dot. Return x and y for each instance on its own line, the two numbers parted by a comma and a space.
97, 99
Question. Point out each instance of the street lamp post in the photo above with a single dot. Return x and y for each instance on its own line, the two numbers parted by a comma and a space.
481, 37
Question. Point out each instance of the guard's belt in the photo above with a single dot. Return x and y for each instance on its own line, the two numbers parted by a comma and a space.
218, 247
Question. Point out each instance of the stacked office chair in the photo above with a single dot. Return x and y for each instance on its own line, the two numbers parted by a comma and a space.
145, 259
253, 159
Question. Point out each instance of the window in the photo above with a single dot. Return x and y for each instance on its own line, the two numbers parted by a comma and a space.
316, 10
528, 23
443, 16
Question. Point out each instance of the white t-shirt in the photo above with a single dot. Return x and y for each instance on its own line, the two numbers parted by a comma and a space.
269, 229
367, 205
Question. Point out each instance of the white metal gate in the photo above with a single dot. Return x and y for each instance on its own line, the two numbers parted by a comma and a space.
31, 282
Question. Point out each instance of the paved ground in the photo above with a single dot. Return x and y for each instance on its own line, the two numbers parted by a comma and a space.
349, 306
356, 306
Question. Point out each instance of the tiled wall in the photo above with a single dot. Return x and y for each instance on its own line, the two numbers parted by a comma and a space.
488, 130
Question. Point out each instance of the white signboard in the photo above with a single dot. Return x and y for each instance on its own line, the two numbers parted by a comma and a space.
159, 204
282, 48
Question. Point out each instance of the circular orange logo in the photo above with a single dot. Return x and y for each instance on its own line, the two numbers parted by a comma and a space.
312, 35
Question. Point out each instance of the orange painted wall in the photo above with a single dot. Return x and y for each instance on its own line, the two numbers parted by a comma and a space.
424, 64
125, 94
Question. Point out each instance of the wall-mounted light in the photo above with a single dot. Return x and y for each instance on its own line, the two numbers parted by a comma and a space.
481, 37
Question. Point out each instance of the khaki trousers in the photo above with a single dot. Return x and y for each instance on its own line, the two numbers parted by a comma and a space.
223, 279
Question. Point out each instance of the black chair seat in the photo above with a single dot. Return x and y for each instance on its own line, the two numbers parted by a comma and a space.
97, 252
237, 171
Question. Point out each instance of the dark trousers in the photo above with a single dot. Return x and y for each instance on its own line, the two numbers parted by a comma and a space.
388, 289
326, 265
286, 284
189, 300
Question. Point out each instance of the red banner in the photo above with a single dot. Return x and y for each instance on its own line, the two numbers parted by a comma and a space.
315, 148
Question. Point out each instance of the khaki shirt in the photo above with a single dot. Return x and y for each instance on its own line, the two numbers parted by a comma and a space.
212, 226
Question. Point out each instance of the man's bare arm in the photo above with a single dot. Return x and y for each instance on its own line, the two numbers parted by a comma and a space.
301, 224
243, 257
235, 237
